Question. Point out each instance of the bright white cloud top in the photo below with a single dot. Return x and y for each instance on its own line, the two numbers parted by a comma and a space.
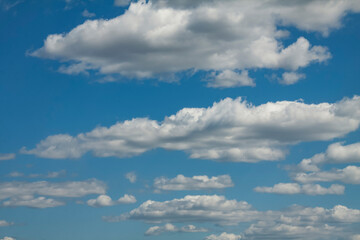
106, 201
295, 188
223, 236
180, 182
160, 38
230, 130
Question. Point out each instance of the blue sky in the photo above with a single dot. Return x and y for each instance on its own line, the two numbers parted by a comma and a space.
179, 119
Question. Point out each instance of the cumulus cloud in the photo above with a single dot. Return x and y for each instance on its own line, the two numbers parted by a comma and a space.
131, 176
7, 156
4, 223
350, 174
224, 236
180, 182
295, 188
229, 78
335, 153
157, 230
160, 38
23, 193
106, 201
230, 130
289, 78
289, 223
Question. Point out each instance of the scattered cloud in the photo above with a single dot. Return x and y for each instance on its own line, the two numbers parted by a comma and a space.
88, 14
224, 236
180, 182
7, 238
157, 230
230, 130
55, 174
335, 153
289, 78
131, 176
229, 78
32, 202
7, 156
295, 188
106, 201
350, 174
160, 38
4, 223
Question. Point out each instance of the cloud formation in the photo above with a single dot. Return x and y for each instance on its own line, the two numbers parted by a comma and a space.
224, 236
23, 193
4, 223
157, 230
131, 176
230, 130
7, 156
229, 78
295, 188
106, 201
180, 182
289, 78
160, 38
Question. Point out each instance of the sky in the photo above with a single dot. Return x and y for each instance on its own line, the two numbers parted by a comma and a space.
179, 119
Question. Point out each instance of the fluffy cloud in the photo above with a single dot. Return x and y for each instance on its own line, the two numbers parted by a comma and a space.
230, 130
106, 201
7, 156
157, 230
131, 176
4, 223
335, 153
289, 78
180, 182
350, 174
229, 78
296, 222
23, 193
223, 236
159, 38
295, 188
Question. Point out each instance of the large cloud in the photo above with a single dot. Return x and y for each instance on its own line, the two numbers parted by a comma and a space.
180, 182
165, 37
230, 130
23, 193
296, 222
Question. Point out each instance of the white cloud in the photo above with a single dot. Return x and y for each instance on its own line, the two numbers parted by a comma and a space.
350, 174
7, 238
55, 174
4, 223
230, 130
122, 3
355, 237
335, 153
157, 230
23, 193
295, 188
7, 156
166, 37
180, 182
15, 174
289, 78
31, 201
131, 176
229, 78
106, 201
88, 14
224, 236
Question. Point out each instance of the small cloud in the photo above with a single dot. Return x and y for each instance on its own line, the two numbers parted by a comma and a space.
4, 223
88, 14
229, 78
7, 156
289, 78
106, 201
131, 176
15, 174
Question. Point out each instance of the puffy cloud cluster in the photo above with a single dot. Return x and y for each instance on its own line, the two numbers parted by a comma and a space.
224, 236
159, 38
180, 182
106, 201
157, 230
230, 130
24, 193
295, 188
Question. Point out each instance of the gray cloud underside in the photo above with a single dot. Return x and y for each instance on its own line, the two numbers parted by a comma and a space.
230, 130
296, 222
165, 37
